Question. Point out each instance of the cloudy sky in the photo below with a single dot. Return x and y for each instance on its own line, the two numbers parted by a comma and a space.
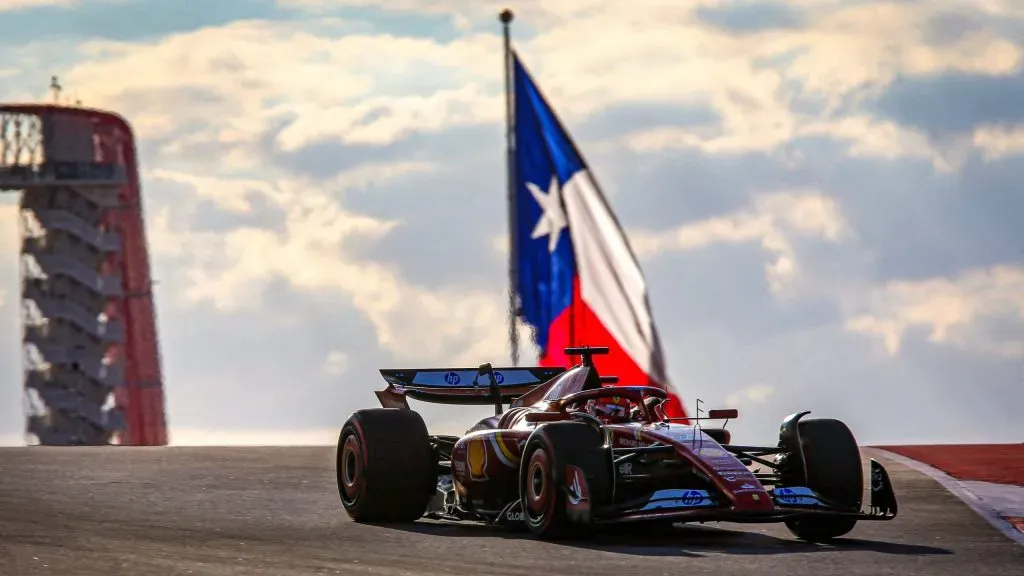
826, 197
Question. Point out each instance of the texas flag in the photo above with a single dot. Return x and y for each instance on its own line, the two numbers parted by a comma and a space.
578, 281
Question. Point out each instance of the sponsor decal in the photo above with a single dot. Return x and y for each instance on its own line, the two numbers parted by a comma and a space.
476, 458
514, 515
626, 468
747, 490
577, 507
748, 487
631, 443
712, 452
756, 497
727, 462
728, 465
628, 437
674, 498
692, 497
498, 377
452, 378
732, 471
576, 494
796, 496
460, 467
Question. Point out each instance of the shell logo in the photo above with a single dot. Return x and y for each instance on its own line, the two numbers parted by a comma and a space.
476, 456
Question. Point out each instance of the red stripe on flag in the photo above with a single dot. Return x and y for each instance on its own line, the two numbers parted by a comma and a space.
577, 325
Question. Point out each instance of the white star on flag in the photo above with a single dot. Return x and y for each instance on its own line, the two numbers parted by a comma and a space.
552, 219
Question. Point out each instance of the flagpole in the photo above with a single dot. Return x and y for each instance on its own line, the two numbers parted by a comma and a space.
506, 18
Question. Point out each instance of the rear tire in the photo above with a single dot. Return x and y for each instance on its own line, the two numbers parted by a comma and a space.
834, 470
386, 469
543, 478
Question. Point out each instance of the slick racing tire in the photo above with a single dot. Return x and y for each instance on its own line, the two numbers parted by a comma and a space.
834, 470
385, 465
561, 462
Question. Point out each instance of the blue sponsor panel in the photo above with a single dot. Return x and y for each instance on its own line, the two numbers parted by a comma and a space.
795, 496
442, 379
464, 378
675, 498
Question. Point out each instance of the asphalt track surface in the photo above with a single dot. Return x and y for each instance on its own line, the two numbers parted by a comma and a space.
275, 511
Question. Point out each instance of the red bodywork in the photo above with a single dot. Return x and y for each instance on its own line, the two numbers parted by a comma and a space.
485, 462
658, 468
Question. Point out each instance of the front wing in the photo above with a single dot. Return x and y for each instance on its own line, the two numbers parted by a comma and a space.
791, 502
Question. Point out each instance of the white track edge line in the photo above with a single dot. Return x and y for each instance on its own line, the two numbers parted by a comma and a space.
960, 491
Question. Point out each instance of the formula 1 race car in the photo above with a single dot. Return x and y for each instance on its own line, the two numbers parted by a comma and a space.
574, 452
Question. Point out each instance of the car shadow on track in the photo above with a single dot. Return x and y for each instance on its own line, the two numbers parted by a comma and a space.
679, 540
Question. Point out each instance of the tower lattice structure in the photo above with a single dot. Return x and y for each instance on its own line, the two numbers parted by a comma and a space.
92, 371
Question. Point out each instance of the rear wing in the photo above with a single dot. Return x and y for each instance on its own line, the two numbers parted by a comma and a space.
464, 386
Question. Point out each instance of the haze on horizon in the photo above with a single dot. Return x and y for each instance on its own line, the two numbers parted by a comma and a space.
826, 198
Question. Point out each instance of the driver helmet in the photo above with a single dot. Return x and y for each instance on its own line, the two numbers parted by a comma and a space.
612, 409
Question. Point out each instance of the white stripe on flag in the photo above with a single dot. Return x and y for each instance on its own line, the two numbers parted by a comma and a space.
610, 280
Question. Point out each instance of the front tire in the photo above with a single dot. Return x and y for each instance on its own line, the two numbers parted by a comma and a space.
385, 466
554, 454
834, 470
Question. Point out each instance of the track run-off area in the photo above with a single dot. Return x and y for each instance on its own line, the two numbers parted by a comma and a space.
275, 511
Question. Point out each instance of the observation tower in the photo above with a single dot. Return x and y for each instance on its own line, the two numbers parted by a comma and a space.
91, 357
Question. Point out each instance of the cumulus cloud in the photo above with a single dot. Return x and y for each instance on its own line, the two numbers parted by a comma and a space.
765, 86
768, 223
999, 142
232, 269
245, 76
953, 311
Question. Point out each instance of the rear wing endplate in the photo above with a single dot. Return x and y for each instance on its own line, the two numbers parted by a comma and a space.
463, 386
